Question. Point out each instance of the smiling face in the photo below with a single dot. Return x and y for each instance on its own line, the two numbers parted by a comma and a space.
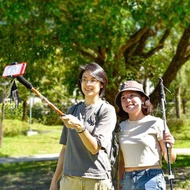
131, 102
90, 85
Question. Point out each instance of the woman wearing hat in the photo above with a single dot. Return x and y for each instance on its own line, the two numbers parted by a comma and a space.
142, 141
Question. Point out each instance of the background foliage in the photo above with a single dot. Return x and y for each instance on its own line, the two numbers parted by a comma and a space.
141, 40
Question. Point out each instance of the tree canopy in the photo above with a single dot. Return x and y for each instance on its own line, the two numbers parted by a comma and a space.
130, 39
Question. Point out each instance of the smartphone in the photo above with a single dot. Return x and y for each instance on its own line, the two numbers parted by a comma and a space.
14, 70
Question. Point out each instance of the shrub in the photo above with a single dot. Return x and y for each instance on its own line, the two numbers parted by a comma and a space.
178, 124
37, 112
14, 127
11, 112
43, 113
180, 130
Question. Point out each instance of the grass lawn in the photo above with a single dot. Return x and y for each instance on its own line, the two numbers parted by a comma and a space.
26, 175
45, 142
37, 175
181, 171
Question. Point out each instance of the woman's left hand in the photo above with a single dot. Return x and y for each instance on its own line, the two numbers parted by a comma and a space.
168, 138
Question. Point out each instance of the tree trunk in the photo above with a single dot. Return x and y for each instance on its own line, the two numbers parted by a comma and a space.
180, 58
1, 124
184, 106
2, 113
24, 116
178, 102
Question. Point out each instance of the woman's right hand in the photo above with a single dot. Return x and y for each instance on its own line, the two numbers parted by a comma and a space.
72, 122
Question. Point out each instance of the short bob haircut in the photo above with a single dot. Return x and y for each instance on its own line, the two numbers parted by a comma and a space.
97, 72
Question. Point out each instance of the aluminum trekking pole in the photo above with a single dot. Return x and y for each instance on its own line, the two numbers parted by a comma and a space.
163, 110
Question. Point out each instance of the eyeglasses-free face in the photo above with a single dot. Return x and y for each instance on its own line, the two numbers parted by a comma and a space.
129, 95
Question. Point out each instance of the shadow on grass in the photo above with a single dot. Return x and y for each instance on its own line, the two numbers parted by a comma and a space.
181, 171
26, 175
37, 175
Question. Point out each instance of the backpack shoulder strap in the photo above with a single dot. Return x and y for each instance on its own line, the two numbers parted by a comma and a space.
72, 108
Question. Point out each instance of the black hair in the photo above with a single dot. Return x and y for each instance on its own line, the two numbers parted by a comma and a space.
97, 72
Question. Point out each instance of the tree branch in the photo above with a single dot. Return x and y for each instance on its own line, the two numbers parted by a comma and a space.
142, 43
177, 62
133, 40
101, 55
159, 46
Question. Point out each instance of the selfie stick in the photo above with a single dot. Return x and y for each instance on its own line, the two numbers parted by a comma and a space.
28, 85
16, 71
163, 101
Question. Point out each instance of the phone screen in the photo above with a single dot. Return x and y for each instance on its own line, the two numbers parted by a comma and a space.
14, 70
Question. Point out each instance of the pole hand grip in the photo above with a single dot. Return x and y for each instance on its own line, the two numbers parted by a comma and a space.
23, 81
28, 85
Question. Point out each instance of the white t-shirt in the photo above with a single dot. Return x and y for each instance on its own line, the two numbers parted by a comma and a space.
139, 141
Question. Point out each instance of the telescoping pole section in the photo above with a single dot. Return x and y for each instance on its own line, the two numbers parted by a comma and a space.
28, 85
163, 101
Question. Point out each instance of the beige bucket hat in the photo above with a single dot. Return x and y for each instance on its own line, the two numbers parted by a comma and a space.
130, 85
